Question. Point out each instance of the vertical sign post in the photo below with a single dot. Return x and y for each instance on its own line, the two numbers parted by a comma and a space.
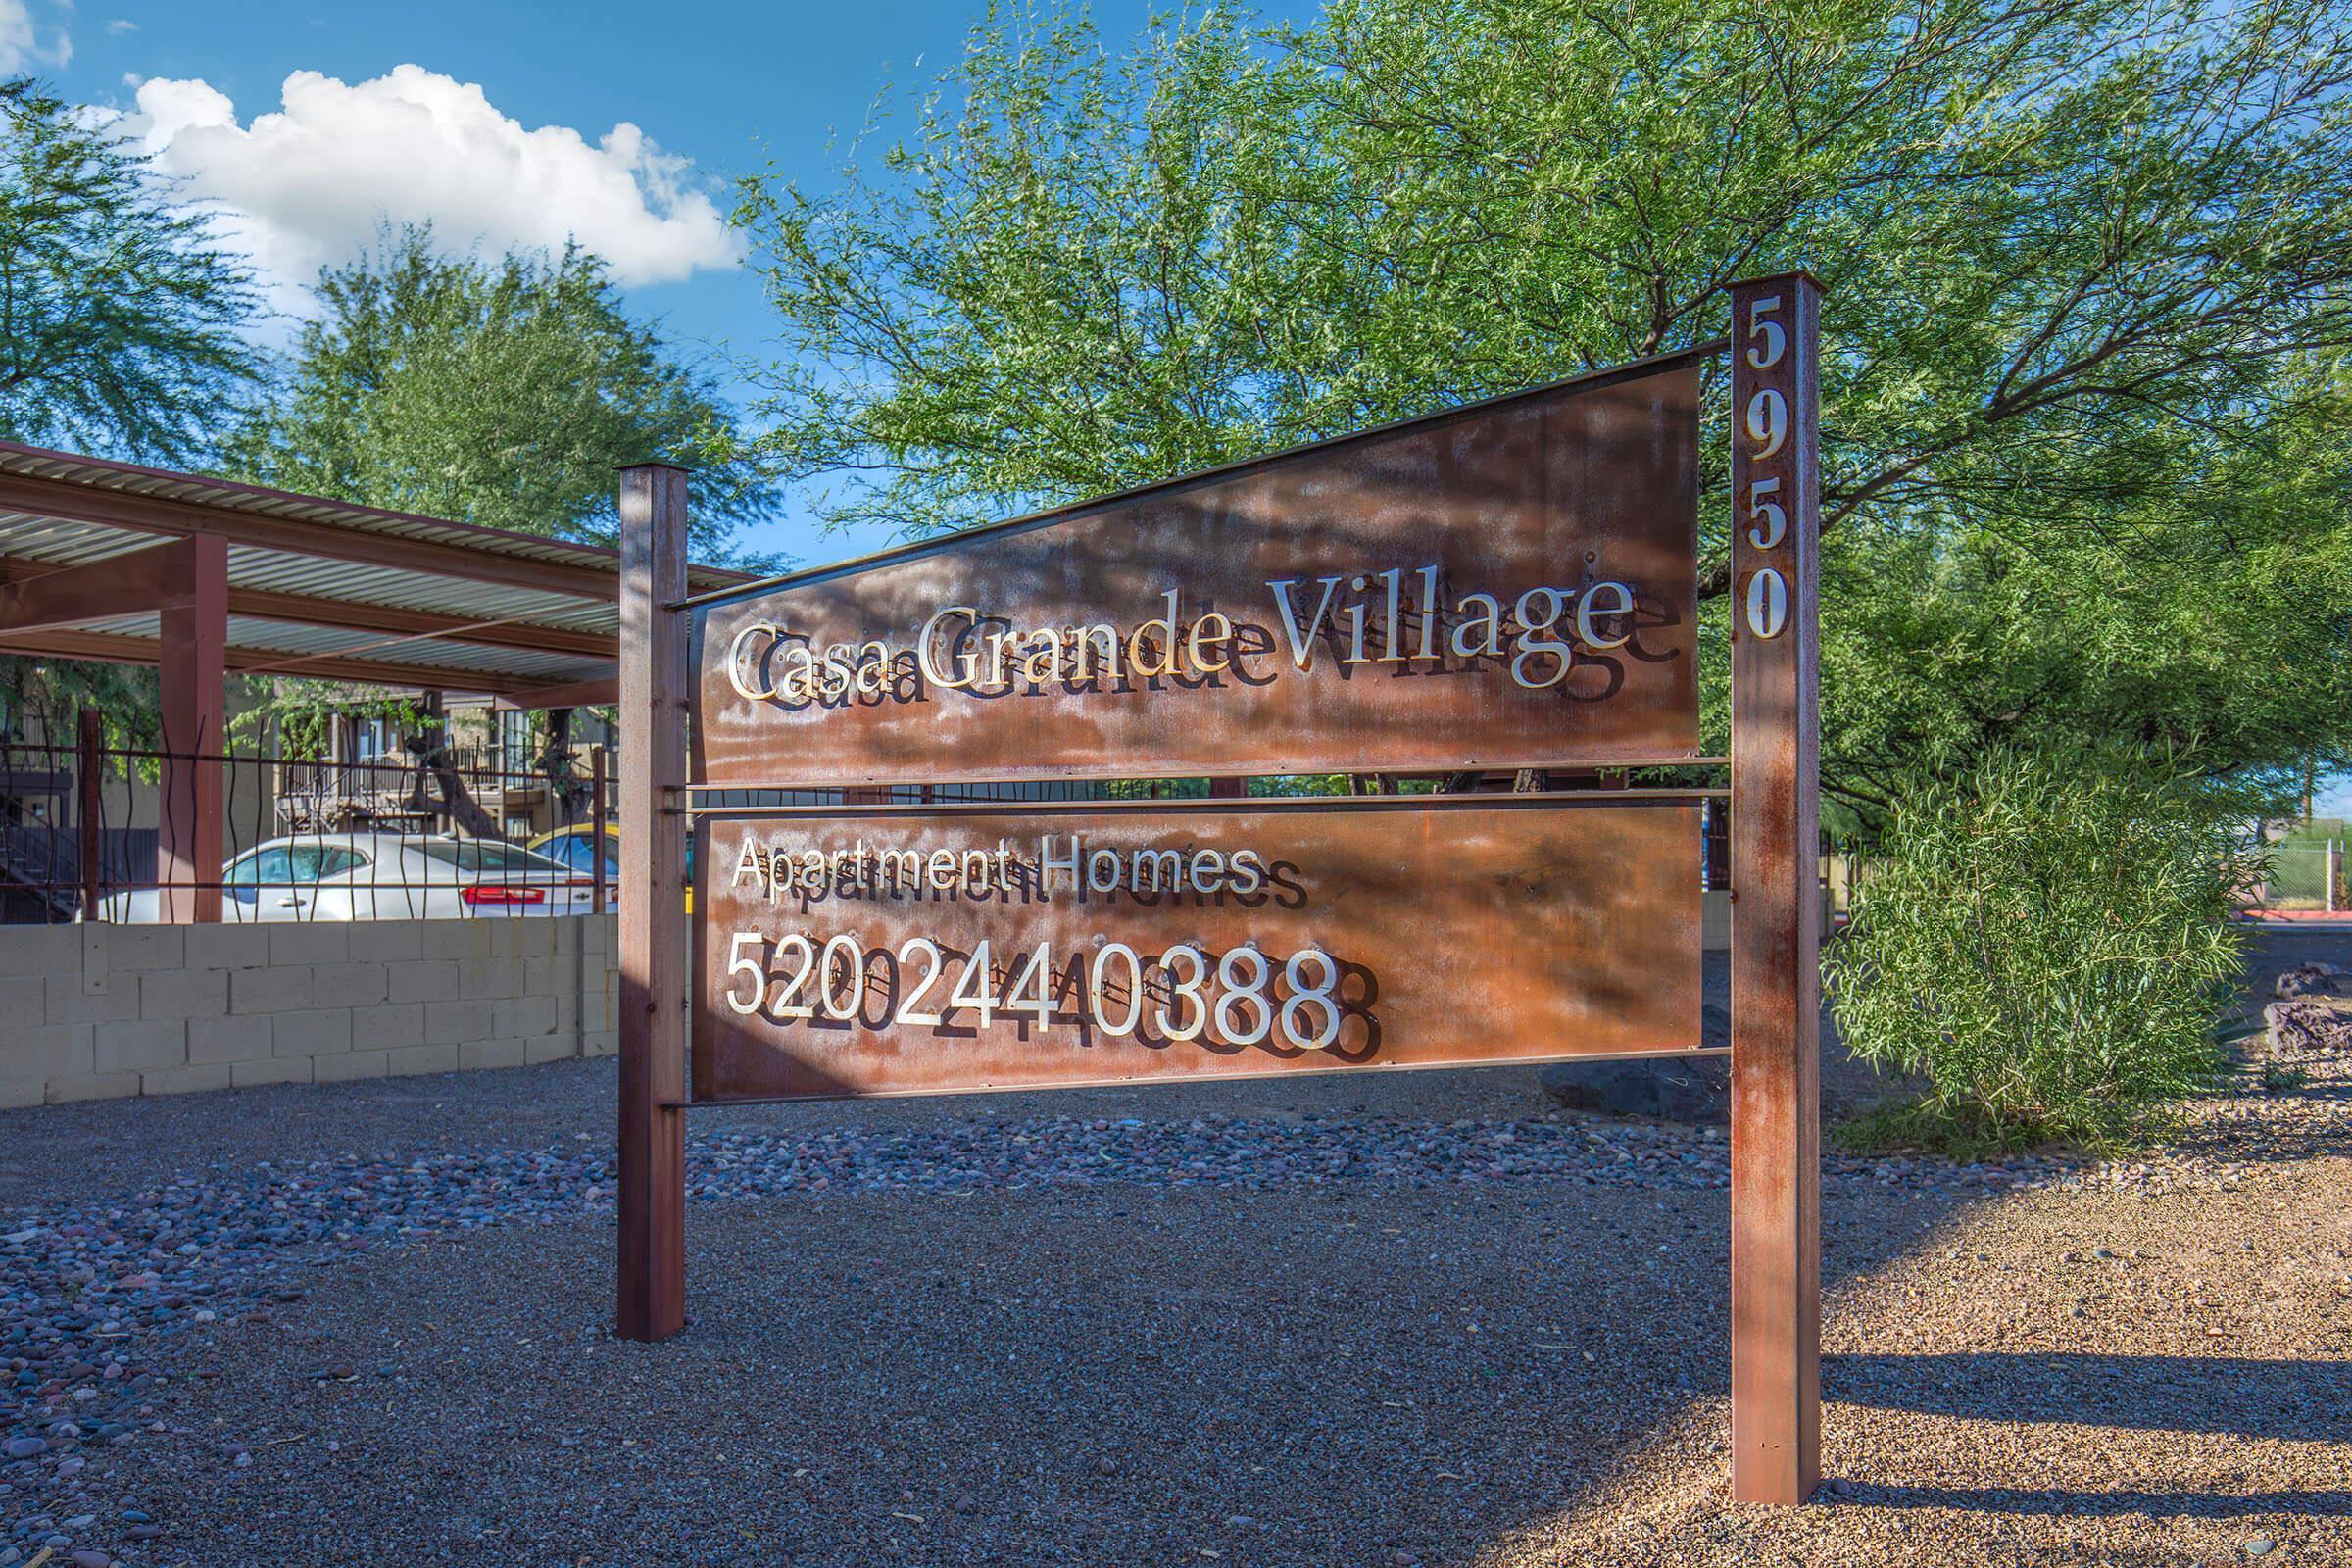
1776, 897
654, 679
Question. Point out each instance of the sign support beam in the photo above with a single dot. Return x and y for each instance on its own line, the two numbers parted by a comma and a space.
652, 925
1776, 896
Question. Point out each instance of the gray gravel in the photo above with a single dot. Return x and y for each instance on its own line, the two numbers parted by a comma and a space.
51, 1154
48, 1154
1462, 1352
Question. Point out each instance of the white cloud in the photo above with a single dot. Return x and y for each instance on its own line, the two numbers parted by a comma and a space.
21, 47
120, 25
309, 185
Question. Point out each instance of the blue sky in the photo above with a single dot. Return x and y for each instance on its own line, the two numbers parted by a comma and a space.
726, 87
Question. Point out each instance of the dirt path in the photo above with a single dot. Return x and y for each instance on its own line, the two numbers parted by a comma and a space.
2141, 1374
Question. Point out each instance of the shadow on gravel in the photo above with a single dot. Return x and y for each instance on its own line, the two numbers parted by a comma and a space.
2303, 1402
2156, 1504
1159, 1369
1290, 1377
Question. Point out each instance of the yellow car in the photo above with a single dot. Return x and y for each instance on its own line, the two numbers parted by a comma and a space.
570, 846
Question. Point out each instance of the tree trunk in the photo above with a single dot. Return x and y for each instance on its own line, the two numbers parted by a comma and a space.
457, 809
567, 792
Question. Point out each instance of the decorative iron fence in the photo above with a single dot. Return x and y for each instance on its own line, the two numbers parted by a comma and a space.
89, 831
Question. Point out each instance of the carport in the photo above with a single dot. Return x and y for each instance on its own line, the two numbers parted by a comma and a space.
203, 578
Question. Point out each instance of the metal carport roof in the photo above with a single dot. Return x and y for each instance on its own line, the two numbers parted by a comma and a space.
317, 587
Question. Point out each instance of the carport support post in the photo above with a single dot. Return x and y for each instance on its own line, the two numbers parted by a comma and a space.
653, 902
193, 665
89, 782
1776, 896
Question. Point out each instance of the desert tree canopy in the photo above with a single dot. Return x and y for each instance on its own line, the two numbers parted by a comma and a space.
123, 331
2088, 263
500, 390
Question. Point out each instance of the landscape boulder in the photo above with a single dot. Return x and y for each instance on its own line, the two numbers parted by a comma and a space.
2314, 980
1688, 1088
2307, 1027
1694, 1089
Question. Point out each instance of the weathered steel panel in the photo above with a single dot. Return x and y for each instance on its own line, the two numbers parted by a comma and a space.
656, 964
1458, 597
1505, 929
1776, 922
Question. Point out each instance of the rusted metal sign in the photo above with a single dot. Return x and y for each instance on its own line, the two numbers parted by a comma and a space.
1508, 585
1776, 928
1511, 584
883, 951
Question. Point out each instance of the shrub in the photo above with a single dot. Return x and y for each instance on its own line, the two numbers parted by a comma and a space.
2048, 941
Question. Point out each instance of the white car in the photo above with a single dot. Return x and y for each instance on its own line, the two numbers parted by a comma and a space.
383, 876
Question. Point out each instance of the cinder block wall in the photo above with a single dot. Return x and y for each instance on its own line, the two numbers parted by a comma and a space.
88, 1011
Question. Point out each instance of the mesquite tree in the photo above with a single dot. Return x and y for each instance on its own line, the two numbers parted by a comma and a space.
2091, 285
121, 320
499, 391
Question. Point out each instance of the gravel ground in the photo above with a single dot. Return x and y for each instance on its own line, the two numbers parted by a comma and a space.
1356, 1320
46, 1154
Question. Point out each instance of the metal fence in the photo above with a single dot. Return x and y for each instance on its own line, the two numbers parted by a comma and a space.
2307, 873
89, 831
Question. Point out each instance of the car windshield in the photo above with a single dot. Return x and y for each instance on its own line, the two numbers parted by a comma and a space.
307, 863
573, 850
481, 855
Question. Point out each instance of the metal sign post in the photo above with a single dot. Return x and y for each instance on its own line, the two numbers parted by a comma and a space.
1509, 586
1776, 895
653, 910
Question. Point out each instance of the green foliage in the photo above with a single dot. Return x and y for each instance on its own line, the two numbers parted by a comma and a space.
294, 717
2050, 944
120, 332
2212, 617
2090, 274
503, 393
2278, 1079
1960, 1132
41, 697
121, 317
